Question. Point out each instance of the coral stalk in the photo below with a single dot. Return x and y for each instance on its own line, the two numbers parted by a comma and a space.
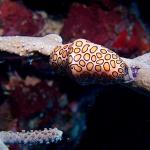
31, 137
3, 146
99, 62
142, 75
25, 46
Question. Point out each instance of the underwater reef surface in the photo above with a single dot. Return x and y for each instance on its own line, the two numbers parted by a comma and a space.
17, 19
33, 103
32, 96
117, 28
26, 22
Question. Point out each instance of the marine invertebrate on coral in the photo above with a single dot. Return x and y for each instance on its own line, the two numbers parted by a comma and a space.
48, 45
30, 137
88, 62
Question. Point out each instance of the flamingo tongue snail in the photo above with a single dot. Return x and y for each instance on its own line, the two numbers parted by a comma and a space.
85, 61
88, 62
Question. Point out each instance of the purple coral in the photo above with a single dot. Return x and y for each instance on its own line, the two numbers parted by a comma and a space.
31, 137
135, 70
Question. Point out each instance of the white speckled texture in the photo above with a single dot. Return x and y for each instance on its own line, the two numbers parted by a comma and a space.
31, 137
25, 46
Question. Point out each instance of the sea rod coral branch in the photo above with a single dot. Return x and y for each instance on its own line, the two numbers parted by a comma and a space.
31, 137
142, 78
84, 60
3, 146
25, 46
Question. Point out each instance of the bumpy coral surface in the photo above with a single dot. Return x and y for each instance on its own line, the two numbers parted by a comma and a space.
31, 137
